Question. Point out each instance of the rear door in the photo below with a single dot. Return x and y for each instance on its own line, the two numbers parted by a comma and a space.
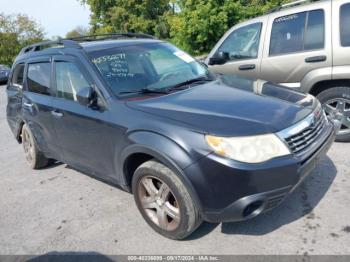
37, 104
14, 98
298, 41
341, 39
244, 45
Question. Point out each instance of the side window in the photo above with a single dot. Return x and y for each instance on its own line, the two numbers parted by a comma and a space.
243, 43
17, 76
69, 80
345, 25
39, 78
315, 31
297, 32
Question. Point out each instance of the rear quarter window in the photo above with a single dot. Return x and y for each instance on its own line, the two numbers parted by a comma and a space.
17, 76
345, 25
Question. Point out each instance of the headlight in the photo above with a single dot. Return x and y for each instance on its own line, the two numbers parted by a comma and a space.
250, 149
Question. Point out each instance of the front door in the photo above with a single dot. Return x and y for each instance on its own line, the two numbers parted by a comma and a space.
82, 134
243, 47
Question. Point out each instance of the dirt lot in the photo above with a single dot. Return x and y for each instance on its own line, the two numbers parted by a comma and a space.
60, 209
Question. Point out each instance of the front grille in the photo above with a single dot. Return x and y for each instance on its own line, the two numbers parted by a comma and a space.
301, 141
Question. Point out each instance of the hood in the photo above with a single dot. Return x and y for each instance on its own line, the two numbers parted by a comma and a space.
232, 106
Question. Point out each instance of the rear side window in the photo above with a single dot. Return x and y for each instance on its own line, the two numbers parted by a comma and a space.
345, 25
39, 78
17, 75
297, 32
69, 80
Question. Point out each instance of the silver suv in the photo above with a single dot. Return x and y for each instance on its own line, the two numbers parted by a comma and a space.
300, 45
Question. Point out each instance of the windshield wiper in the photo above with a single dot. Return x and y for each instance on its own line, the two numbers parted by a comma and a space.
191, 81
145, 91
166, 90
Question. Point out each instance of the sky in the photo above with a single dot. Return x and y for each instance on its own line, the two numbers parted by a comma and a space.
57, 17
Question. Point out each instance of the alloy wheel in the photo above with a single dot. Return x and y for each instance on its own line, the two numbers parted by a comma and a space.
159, 203
339, 108
28, 146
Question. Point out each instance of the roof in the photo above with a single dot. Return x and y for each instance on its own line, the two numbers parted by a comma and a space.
289, 7
92, 46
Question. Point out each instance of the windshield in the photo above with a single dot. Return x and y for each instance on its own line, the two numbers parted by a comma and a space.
129, 70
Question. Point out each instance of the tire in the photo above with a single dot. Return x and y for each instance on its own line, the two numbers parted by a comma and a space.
340, 94
184, 217
34, 157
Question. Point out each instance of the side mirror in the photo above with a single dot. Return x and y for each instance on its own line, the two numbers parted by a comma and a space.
85, 96
219, 58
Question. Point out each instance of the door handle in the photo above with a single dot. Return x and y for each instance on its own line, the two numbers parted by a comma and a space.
57, 114
247, 67
316, 59
29, 105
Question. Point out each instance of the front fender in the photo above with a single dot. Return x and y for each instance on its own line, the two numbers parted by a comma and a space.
163, 149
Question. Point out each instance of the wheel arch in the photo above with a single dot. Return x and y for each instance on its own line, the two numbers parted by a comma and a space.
315, 76
142, 150
321, 86
19, 131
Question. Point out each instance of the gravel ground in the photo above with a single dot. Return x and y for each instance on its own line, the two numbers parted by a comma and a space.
61, 210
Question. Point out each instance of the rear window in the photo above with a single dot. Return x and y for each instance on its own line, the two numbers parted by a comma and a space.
345, 25
39, 78
297, 32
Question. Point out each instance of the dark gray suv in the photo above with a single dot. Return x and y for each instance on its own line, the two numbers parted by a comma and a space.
142, 114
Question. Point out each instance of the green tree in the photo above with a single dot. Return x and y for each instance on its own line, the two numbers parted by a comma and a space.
17, 31
201, 23
253, 8
144, 16
78, 31
194, 25
100, 17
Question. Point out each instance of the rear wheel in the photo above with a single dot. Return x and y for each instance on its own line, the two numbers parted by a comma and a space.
336, 101
164, 201
34, 157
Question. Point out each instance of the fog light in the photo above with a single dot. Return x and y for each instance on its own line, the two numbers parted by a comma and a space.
253, 209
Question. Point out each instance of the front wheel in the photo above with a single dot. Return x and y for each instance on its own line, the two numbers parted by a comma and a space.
336, 101
164, 201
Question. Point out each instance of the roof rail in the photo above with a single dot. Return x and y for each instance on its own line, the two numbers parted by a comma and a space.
74, 42
288, 5
42, 45
111, 36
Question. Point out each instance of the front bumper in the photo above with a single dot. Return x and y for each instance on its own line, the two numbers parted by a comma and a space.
231, 191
